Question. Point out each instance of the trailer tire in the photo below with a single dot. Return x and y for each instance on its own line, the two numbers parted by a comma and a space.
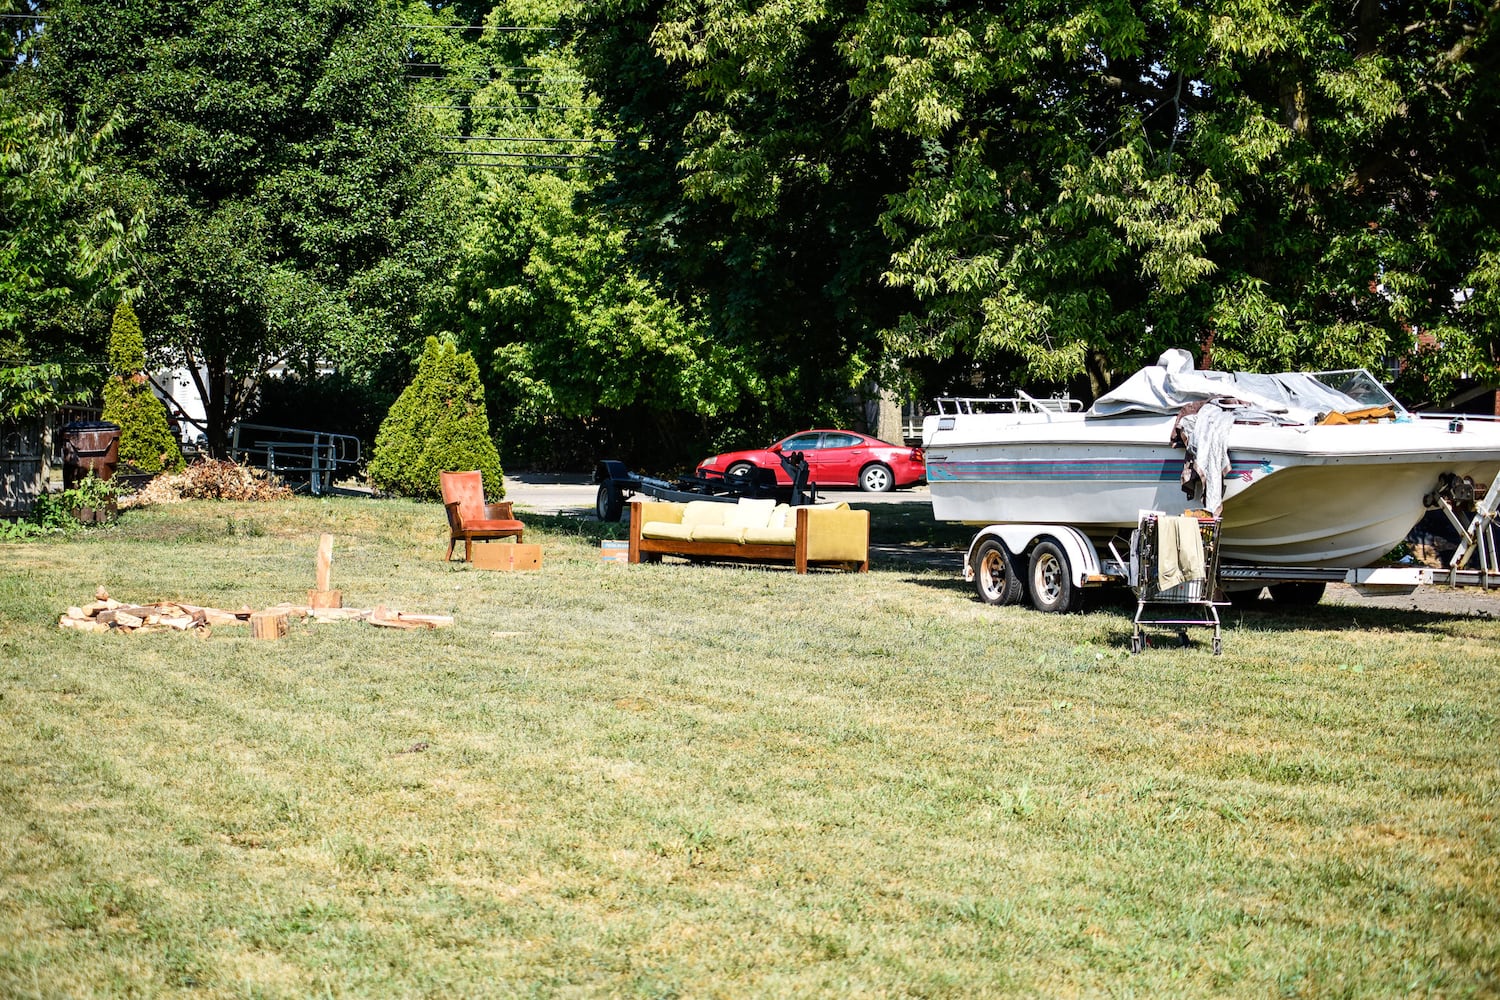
609, 503
995, 579
1297, 595
1050, 580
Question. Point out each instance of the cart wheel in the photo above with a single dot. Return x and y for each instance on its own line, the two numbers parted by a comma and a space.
609, 503
1218, 646
995, 579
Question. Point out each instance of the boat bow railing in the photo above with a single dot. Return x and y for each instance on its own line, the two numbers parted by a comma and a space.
1021, 402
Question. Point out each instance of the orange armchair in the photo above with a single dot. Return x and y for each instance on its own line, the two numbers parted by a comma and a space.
469, 517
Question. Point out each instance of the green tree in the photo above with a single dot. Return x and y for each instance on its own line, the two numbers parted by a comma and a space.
1065, 189
296, 214
582, 349
438, 424
147, 444
750, 182
63, 252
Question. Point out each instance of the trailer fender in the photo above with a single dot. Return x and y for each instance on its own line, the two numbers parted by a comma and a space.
1019, 539
609, 470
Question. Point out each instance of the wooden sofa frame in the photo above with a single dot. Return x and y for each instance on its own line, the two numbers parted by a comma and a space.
652, 549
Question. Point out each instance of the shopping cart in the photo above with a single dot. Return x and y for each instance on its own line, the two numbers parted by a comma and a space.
1190, 603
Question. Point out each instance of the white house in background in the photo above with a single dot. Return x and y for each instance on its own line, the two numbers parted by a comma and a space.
184, 404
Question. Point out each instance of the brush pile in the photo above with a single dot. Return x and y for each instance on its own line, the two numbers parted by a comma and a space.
209, 479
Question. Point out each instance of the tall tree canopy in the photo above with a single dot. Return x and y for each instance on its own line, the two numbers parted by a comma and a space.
294, 208
1066, 188
583, 349
751, 180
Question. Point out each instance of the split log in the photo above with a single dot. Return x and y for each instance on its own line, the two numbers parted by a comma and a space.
325, 599
268, 625
325, 565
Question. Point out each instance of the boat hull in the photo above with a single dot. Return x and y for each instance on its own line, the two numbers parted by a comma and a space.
1294, 496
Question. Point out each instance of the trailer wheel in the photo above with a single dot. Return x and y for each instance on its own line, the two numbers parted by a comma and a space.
609, 503
995, 579
1297, 595
1051, 580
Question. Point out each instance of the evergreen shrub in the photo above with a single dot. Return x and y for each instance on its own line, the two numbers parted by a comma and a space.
147, 443
438, 424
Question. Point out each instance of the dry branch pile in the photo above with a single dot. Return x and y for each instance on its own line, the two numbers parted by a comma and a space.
209, 479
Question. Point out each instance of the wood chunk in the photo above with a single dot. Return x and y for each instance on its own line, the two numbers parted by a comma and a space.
125, 619
181, 623
325, 599
325, 566
431, 621
268, 625
100, 594
77, 614
399, 623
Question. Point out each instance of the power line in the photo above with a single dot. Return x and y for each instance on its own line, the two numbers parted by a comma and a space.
477, 27
525, 138
477, 108
502, 155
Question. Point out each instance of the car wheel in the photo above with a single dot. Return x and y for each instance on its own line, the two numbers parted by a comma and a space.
876, 478
740, 469
1051, 578
995, 579
609, 503
1297, 595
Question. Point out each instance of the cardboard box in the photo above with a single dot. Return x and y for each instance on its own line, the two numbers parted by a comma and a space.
614, 552
507, 555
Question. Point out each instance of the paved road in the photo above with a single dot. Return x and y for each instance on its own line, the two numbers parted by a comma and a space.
549, 493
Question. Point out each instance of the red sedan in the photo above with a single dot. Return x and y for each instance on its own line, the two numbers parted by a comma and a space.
834, 458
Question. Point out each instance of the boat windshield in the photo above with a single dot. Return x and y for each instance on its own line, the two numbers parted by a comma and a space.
1359, 384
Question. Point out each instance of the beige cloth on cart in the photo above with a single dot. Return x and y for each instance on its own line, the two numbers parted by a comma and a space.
1179, 552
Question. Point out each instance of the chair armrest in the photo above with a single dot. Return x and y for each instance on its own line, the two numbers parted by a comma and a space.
835, 535
499, 511
455, 519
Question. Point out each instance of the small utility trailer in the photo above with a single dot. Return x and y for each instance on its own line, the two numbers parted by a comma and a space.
617, 484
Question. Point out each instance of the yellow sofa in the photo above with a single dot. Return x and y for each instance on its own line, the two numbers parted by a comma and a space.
751, 531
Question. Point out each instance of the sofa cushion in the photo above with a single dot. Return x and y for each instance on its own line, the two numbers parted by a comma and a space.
781, 517
770, 536
666, 529
705, 512
718, 533
750, 513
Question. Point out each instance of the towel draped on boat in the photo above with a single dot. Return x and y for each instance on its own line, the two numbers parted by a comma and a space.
1205, 434
1179, 552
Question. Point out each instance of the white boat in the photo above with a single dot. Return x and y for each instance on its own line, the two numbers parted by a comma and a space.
1298, 488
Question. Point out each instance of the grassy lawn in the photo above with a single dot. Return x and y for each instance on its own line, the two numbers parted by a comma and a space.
696, 781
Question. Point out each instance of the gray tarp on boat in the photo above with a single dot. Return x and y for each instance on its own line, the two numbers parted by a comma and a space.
1171, 384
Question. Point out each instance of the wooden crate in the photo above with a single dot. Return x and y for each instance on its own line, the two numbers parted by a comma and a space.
507, 555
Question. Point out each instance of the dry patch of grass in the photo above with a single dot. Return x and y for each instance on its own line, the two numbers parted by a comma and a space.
683, 780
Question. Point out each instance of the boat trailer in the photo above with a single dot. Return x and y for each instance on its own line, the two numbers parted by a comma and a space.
617, 484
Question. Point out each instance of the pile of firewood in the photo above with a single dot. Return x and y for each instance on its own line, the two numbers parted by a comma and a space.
106, 614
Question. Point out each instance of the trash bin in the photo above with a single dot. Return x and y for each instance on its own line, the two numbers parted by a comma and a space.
89, 447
